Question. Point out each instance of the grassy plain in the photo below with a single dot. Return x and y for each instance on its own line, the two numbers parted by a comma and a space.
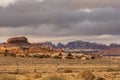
28, 68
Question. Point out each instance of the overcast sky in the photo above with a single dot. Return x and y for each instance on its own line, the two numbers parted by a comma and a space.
61, 20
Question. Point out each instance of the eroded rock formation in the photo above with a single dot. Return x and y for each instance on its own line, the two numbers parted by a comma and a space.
17, 40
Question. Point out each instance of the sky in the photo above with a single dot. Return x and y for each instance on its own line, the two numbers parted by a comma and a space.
61, 20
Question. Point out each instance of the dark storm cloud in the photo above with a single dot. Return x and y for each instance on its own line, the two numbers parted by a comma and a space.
61, 17
76, 4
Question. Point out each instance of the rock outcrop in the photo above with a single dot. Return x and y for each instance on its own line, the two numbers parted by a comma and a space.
17, 40
20, 45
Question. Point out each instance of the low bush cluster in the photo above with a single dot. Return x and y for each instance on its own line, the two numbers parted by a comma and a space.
7, 77
54, 77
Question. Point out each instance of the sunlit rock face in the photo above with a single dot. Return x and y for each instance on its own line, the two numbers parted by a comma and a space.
17, 40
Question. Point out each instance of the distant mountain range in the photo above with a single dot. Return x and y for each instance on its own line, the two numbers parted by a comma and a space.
82, 45
23, 41
22, 45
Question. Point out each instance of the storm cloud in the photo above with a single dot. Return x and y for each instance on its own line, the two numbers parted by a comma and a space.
61, 18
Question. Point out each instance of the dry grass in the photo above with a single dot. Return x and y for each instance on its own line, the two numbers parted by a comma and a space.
54, 69
87, 75
7, 77
53, 77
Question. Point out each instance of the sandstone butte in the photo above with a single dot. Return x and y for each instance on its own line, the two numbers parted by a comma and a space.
17, 40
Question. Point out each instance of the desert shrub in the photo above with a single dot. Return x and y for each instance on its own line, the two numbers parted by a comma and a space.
36, 56
41, 56
78, 57
13, 54
21, 55
87, 75
17, 71
54, 77
67, 70
7, 77
110, 70
38, 76
100, 78
29, 56
57, 57
93, 57
22, 72
60, 54
69, 56
5, 52
46, 56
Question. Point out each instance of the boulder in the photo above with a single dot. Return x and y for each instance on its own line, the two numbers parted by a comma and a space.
17, 40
